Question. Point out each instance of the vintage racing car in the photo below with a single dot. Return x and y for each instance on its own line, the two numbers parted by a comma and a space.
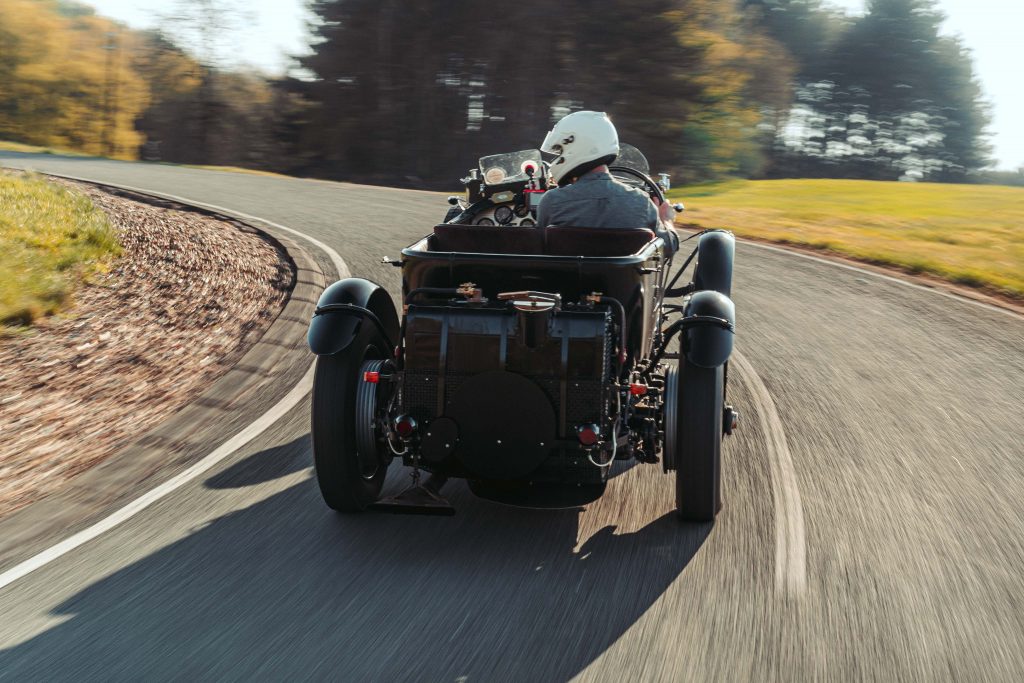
526, 359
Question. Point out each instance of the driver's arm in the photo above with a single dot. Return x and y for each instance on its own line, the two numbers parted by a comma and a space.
664, 222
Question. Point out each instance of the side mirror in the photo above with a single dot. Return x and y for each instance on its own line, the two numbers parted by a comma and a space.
678, 206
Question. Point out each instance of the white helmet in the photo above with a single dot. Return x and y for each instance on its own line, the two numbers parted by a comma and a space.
582, 140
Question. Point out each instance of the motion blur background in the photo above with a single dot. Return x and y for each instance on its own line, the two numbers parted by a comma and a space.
411, 93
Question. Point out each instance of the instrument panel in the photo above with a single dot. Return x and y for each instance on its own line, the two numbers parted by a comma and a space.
506, 215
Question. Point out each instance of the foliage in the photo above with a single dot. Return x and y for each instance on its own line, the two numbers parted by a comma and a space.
676, 77
706, 88
72, 80
883, 96
50, 237
968, 234
64, 81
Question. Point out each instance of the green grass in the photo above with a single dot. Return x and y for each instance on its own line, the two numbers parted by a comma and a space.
6, 146
50, 239
967, 234
231, 169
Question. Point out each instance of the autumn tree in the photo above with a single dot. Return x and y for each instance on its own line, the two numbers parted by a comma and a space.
66, 79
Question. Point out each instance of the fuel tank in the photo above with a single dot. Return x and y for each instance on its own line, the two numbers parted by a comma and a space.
500, 390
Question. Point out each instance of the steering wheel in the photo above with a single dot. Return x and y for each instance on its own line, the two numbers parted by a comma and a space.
653, 188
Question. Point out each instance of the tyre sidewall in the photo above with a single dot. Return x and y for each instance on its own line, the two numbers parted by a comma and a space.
335, 458
699, 442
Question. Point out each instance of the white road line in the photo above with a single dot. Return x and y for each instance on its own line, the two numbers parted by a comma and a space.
790, 542
257, 427
279, 410
888, 278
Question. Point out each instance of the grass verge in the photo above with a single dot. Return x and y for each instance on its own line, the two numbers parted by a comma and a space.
6, 146
966, 234
50, 238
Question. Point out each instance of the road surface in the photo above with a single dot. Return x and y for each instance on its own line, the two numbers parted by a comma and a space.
873, 525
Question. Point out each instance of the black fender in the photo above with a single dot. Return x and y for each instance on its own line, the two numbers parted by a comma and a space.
716, 250
358, 303
710, 325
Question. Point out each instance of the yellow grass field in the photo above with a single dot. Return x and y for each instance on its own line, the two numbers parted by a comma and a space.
50, 238
967, 234
7, 146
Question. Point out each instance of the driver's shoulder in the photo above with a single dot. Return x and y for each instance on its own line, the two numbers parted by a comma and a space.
555, 194
627, 189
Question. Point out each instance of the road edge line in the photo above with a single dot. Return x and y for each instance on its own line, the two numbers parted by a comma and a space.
790, 537
240, 439
254, 429
838, 263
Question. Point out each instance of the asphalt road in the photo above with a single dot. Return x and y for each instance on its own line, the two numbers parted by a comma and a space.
873, 524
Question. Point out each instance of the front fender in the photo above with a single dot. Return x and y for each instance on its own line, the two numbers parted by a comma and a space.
709, 345
332, 332
716, 250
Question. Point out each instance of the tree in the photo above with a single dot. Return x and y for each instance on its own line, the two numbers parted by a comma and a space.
892, 99
400, 106
205, 27
66, 79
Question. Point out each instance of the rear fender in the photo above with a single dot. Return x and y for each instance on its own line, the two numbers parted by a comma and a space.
332, 332
709, 345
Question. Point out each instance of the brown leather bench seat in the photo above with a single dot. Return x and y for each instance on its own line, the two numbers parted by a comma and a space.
481, 239
552, 241
571, 241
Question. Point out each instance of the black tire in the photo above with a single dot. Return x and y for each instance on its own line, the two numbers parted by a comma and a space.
343, 483
699, 450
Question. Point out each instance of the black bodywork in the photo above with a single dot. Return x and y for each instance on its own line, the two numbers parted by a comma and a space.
527, 357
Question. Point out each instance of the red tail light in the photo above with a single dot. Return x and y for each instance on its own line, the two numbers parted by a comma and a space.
589, 435
637, 389
371, 377
405, 426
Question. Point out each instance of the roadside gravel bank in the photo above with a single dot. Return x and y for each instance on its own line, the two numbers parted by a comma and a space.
190, 295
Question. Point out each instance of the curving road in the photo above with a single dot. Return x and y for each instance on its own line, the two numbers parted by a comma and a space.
873, 528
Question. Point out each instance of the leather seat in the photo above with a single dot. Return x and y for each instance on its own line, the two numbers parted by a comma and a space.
573, 241
483, 239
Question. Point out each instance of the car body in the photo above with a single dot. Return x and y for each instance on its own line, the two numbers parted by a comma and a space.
527, 361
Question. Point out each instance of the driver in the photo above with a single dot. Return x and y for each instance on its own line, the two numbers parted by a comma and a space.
585, 142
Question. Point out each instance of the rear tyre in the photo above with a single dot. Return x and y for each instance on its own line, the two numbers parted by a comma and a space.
698, 456
348, 482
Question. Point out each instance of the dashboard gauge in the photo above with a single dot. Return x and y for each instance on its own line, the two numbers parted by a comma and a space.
485, 221
522, 210
527, 223
503, 214
494, 175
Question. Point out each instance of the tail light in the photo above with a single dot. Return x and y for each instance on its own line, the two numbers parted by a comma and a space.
405, 426
637, 389
588, 434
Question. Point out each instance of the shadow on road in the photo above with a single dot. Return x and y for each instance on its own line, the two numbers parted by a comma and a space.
266, 465
286, 589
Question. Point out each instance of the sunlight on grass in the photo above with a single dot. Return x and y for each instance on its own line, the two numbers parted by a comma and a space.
968, 234
50, 238
6, 146
233, 169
